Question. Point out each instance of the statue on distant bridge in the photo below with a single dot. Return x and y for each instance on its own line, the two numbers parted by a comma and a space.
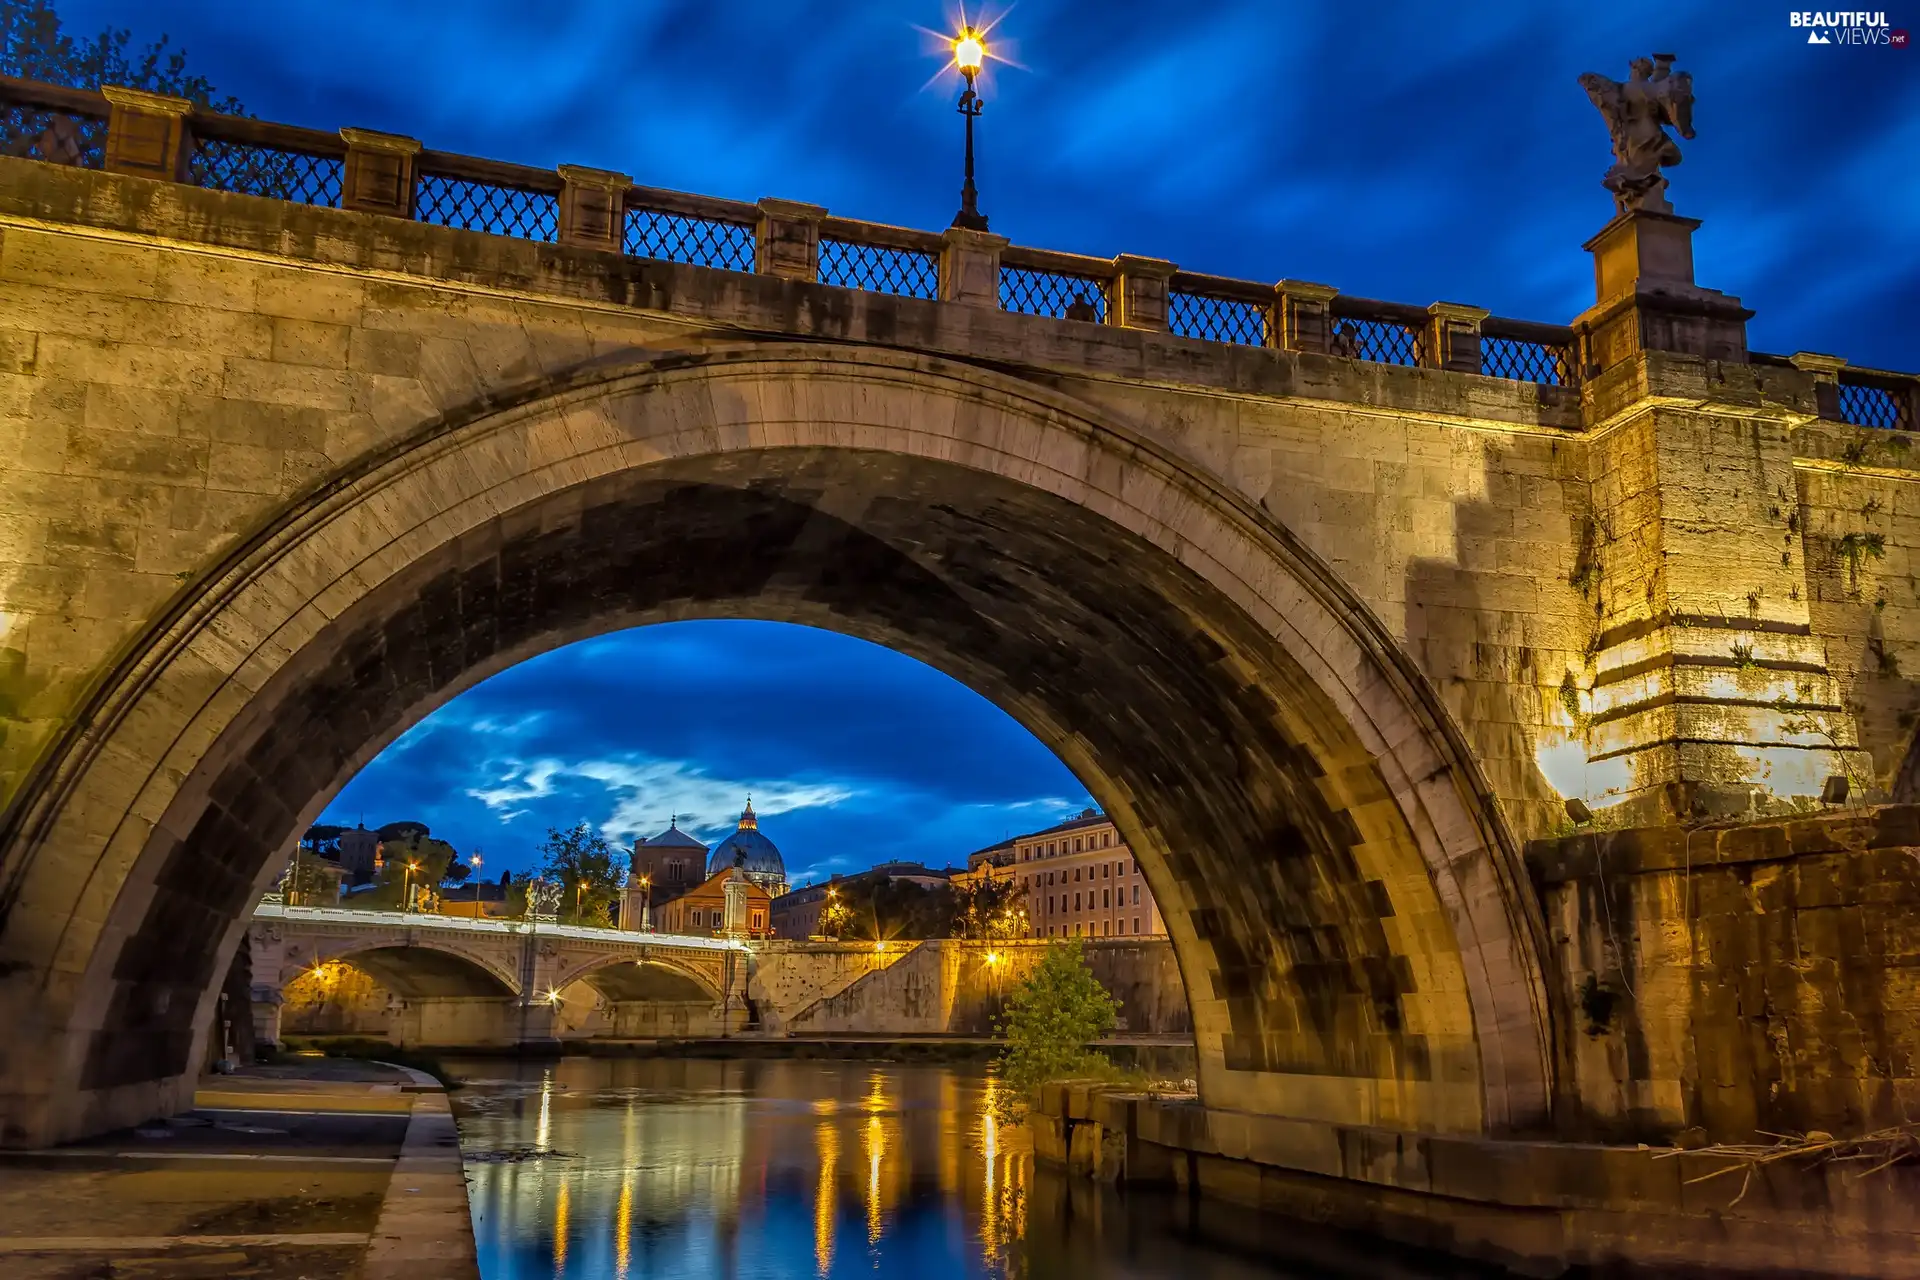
1638, 114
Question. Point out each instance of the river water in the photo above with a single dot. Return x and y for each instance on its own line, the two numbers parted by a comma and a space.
676, 1169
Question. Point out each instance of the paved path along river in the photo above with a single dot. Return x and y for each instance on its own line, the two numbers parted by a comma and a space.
662, 1169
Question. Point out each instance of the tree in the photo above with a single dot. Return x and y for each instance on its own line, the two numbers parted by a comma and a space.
988, 908
409, 865
307, 884
887, 909
588, 871
1051, 1018
835, 917
33, 47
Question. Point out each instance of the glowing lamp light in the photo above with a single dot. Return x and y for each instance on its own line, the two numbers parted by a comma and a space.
553, 997
969, 51
993, 957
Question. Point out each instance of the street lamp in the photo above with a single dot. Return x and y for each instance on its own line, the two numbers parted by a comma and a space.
406, 889
646, 903
577, 891
970, 54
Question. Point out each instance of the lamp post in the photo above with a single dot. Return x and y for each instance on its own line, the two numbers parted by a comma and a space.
406, 887
577, 891
646, 903
970, 54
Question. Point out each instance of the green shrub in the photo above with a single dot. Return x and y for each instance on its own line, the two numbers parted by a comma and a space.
1051, 1019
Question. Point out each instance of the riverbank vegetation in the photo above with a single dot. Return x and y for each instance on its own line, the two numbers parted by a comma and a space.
1052, 1020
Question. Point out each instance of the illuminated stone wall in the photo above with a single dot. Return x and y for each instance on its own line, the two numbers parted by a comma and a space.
1728, 981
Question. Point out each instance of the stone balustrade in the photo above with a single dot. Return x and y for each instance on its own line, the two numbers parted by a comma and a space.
150, 135
366, 171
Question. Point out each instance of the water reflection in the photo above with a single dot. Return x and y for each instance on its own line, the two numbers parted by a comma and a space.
672, 1170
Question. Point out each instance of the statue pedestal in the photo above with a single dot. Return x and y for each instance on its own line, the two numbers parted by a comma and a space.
1642, 247
1646, 300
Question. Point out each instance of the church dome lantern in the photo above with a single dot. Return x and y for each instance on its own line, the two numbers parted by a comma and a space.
749, 849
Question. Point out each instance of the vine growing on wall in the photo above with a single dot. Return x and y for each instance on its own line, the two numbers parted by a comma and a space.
1854, 549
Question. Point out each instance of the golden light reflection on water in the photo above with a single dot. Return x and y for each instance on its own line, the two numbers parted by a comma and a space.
623, 1228
543, 1132
826, 1145
990, 1158
678, 1171
876, 1105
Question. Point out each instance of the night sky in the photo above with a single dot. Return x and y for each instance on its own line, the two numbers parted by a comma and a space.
1404, 151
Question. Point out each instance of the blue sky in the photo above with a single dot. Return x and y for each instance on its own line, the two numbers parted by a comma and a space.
854, 754
1404, 151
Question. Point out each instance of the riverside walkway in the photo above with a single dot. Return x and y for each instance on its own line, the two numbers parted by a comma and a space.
313, 1167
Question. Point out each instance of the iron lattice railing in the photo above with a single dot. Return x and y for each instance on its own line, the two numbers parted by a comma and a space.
1382, 341
1216, 319
58, 136
69, 126
879, 268
1868, 405
485, 206
256, 170
1527, 361
703, 242
1061, 294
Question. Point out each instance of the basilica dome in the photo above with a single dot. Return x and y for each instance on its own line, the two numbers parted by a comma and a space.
753, 853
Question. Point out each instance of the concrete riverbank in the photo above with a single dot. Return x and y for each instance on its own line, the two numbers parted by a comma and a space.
1535, 1207
1158, 1057
310, 1167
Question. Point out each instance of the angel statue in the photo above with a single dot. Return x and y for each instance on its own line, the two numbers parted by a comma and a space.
1638, 114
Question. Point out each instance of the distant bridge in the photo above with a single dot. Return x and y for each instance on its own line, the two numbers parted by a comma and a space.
450, 982
480, 982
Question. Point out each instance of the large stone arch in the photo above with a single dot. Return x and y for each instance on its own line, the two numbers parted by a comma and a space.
1350, 915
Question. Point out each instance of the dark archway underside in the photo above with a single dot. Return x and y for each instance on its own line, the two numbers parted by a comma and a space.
423, 973
634, 980
1141, 674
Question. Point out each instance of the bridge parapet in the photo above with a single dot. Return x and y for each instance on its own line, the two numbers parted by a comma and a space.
364, 171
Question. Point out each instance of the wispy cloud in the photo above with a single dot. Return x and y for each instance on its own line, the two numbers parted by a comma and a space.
852, 754
647, 793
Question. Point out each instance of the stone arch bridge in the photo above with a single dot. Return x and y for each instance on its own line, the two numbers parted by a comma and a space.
497, 983
1334, 604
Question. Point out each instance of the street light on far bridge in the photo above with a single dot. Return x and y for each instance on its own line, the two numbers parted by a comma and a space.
969, 55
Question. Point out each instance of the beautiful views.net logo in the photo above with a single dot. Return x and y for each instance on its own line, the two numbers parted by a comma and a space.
1860, 29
